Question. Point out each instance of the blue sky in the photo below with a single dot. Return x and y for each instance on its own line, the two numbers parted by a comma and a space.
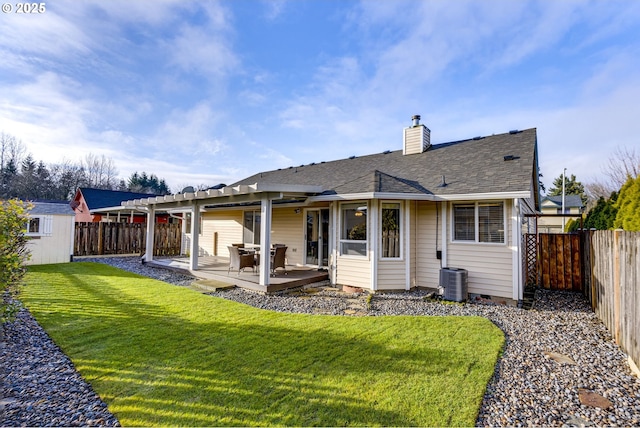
208, 92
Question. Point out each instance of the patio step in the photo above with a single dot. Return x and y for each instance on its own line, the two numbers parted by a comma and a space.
210, 285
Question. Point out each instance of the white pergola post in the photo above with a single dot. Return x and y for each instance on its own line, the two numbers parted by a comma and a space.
265, 240
151, 227
195, 232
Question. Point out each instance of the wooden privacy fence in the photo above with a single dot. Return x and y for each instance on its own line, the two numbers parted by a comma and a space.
559, 261
612, 285
554, 260
94, 239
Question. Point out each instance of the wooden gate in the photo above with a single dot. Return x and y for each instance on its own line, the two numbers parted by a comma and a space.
558, 261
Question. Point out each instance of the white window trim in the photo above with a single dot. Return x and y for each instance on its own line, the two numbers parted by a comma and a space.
476, 241
45, 225
400, 230
348, 241
187, 224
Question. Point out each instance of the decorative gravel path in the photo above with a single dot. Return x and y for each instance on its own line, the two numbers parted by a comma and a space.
557, 357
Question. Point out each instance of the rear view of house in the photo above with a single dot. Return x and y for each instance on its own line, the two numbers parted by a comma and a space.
385, 221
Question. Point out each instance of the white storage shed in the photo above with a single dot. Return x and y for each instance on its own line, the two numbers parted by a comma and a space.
50, 229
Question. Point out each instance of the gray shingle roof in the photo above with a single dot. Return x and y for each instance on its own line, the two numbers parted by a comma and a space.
51, 208
469, 166
570, 201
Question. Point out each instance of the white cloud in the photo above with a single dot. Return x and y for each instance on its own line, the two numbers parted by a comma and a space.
204, 51
274, 8
189, 133
30, 42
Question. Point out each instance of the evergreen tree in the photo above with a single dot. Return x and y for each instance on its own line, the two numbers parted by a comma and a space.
603, 215
9, 175
628, 206
571, 187
144, 183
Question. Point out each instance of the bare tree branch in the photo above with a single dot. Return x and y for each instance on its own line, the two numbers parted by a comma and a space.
623, 163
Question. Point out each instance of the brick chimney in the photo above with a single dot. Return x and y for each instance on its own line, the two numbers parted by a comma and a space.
417, 138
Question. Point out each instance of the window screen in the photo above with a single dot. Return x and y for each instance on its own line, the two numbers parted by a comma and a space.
491, 222
464, 222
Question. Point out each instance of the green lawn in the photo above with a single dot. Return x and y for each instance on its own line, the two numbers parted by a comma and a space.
165, 355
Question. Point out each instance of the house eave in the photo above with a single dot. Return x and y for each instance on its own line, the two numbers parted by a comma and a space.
485, 196
420, 197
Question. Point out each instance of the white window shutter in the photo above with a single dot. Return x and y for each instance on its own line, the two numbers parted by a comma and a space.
48, 225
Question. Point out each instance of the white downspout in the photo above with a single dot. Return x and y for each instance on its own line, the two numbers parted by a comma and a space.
443, 216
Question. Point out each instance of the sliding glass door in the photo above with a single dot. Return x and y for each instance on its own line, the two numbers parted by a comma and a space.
317, 237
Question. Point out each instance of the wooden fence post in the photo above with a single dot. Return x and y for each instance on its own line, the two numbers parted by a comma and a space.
616, 284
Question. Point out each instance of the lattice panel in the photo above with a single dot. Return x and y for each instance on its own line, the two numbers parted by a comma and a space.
530, 262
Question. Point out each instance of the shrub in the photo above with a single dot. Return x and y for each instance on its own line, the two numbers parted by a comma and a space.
14, 217
628, 205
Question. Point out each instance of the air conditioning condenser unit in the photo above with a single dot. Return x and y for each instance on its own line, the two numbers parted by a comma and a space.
454, 281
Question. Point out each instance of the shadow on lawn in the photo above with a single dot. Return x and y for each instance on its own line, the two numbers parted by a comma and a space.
209, 361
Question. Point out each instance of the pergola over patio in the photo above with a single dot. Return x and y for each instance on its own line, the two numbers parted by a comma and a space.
228, 196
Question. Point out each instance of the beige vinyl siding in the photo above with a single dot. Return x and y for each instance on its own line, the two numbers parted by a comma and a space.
413, 141
489, 266
53, 248
287, 228
416, 139
227, 225
354, 271
427, 264
391, 274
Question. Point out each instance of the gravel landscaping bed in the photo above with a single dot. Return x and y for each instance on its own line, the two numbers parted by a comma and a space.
560, 365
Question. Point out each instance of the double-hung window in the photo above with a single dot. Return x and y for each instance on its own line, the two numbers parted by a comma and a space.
390, 222
479, 222
353, 236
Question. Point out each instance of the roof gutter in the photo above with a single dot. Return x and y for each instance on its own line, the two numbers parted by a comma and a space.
421, 196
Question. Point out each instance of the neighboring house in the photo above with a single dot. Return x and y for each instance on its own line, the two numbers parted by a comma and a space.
99, 205
553, 205
50, 230
386, 221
